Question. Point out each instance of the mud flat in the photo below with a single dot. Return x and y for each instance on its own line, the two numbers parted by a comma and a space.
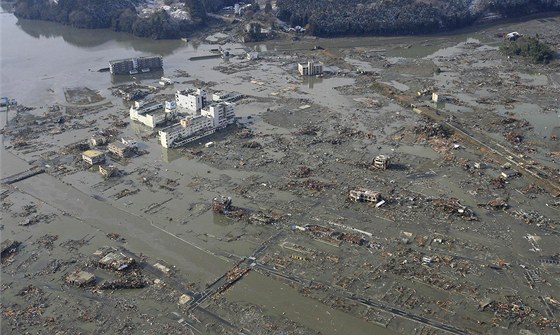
454, 229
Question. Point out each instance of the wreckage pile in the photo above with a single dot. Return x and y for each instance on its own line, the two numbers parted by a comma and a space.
454, 207
223, 205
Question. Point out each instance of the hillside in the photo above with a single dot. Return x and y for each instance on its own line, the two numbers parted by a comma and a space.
155, 19
178, 18
356, 17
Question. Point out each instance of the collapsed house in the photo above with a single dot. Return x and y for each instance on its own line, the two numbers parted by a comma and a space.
80, 278
108, 171
116, 261
364, 195
221, 204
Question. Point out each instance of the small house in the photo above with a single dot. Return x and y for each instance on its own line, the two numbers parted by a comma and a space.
107, 171
93, 157
80, 278
120, 149
509, 173
97, 140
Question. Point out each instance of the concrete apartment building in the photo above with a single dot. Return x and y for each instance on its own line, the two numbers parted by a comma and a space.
222, 113
193, 100
194, 127
310, 69
187, 130
153, 114
202, 117
135, 65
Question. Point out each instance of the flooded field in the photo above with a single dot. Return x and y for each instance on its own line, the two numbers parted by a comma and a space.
461, 238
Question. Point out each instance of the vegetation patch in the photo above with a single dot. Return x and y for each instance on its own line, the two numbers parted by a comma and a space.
530, 48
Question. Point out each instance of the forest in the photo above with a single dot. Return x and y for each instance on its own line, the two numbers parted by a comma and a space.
384, 17
319, 17
119, 15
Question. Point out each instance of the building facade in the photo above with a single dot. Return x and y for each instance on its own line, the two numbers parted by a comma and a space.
222, 114
189, 129
192, 100
310, 69
121, 150
151, 114
93, 157
135, 65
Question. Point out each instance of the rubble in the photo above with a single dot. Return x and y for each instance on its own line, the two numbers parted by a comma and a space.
302, 172
453, 206
116, 261
221, 204
8, 248
498, 203
132, 280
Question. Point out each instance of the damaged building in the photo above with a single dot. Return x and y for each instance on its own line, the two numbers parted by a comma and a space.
364, 195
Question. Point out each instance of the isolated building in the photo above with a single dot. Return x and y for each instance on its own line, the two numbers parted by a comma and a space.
107, 171
80, 278
381, 162
310, 69
121, 150
97, 140
435, 97
93, 157
135, 65
363, 195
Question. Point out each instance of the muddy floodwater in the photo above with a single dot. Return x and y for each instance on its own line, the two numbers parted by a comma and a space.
461, 238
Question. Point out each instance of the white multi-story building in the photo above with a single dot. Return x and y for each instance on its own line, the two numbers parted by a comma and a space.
310, 69
151, 114
193, 100
223, 114
211, 117
187, 130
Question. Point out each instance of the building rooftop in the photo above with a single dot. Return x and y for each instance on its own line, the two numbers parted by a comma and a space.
118, 144
92, 153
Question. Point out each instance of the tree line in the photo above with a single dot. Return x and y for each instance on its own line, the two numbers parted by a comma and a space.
119, 15
358, 17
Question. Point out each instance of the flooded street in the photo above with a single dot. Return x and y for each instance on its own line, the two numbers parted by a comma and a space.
453, 243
